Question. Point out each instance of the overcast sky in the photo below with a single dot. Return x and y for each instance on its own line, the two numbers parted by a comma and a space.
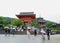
48, 9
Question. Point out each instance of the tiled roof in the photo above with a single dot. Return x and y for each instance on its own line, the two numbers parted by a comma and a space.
26, 13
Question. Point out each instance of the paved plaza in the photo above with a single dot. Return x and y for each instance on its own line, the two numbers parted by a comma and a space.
25, 39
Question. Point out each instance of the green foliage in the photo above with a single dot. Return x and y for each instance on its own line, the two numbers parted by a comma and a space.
9, 20
9, 25
35, 23
49, 24
16, 22
56, 28
2, 20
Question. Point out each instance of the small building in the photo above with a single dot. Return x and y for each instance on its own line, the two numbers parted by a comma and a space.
42, 22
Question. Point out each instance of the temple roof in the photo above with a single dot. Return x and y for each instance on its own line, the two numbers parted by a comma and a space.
26, 13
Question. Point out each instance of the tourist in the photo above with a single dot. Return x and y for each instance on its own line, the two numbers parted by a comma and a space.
5, 29
35, 31
48, 33
9, 30
13, 30
28, 31
43, 33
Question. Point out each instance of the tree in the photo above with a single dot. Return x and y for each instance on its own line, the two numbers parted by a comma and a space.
35, 23
49, 24
17, 22
2, 20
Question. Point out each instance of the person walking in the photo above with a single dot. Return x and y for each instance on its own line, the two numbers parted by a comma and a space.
35, 31
9, 30
28, 31
13, 30
43, 33
6, 29
48, 33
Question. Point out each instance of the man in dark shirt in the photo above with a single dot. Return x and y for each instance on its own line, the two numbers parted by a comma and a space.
48, 33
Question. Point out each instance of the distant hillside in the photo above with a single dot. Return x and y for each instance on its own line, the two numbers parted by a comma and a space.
9, 20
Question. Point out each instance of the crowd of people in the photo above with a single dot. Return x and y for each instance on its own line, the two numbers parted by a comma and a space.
12, 30
36, 31
28, 29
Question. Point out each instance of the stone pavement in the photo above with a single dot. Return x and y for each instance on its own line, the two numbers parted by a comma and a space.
54, 39
26, 39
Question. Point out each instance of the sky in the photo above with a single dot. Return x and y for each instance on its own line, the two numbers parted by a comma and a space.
48, 9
